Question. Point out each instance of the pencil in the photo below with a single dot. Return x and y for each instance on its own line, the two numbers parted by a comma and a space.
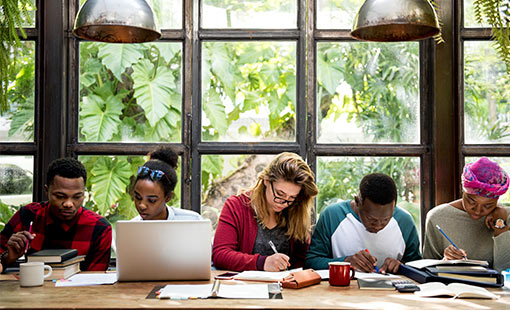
447, 238
28, 241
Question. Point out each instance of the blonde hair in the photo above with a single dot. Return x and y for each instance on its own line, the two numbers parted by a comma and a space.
296, 218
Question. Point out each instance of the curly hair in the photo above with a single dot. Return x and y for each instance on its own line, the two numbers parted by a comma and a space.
379, 188
67, 168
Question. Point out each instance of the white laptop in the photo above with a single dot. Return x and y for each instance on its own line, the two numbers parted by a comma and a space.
163, 250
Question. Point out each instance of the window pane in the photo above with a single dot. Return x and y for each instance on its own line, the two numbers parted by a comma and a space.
486, 93
337, 14
168, 14
249, 14
16, 181
17, 124
504, 162
130, 92
249, 91
368, 92
469, 16
227, 175
338, 179
109, 181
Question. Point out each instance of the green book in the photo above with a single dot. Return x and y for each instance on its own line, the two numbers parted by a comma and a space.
52, 255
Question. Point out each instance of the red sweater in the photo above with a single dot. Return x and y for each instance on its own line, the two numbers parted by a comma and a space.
235, 238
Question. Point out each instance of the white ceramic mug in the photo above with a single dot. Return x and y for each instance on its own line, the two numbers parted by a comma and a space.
32, 274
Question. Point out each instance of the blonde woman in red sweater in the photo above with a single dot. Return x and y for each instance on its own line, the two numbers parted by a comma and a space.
268, 226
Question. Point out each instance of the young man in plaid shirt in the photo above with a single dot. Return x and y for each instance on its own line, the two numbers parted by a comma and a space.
61, 222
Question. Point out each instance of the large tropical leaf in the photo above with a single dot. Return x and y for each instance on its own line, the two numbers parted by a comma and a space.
118, 57
328, 75
215, 112
222, 65
153, 90
100, 118
168, 50
23, 121
110, 178
166, 128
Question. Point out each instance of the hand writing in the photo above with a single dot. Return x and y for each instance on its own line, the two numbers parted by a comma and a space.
362, 261
452, 253
276, 262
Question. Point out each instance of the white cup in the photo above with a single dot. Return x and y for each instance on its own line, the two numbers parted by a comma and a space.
32, 274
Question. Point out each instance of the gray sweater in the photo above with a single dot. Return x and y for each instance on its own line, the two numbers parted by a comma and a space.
470, 235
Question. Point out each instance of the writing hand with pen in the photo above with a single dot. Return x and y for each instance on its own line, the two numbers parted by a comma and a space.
17, 245
365, 262
277, 261
452, 251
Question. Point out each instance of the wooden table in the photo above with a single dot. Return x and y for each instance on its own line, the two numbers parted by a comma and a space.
132, 295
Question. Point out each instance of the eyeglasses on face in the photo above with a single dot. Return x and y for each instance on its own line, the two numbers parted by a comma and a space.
154, 174
280, 200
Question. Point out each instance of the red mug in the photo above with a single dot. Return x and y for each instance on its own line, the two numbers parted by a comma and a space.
340, 273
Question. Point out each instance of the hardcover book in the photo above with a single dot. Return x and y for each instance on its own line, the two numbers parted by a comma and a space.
52, 255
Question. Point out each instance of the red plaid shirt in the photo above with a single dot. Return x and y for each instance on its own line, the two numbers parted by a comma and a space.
87, 232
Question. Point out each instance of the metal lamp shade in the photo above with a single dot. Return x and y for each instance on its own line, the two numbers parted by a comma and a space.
395, 20
116, 21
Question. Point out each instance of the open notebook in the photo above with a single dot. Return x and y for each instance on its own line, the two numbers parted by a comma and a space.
455, 290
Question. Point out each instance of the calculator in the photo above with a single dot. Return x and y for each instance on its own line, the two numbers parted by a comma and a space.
405, 286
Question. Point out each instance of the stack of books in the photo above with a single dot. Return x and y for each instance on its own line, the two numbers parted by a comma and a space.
64, 262
463, 271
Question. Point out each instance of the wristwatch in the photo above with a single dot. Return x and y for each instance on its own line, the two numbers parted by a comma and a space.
499, 223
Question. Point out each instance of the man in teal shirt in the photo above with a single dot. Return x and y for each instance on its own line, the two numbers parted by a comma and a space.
368, 231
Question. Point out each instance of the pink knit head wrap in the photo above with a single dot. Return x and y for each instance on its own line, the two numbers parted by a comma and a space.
484, 178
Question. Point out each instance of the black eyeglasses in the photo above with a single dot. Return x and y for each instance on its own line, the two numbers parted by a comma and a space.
154, 174
280, 199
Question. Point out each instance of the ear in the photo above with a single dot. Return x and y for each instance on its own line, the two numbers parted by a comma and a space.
357, 200
169, 197
46, 189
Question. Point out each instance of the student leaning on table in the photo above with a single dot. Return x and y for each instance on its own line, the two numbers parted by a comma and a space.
154, 188
475, 223
367, 231
60, 222
278, 209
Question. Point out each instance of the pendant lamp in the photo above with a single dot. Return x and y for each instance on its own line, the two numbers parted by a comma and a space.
395, 20
116, 21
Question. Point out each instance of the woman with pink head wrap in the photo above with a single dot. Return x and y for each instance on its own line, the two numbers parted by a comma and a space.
476, 223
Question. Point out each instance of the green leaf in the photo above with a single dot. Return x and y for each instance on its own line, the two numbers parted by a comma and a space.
100, 118
118, 57
23, 120
222, 66
153, 90
169, 50
328, 75
110, 178
165, 128
215, 112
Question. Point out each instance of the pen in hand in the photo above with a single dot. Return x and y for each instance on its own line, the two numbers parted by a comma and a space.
375, 266
28, 241
450, 240
273, 247
271, 244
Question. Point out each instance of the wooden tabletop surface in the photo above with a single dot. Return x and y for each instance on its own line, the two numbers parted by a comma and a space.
132, 295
